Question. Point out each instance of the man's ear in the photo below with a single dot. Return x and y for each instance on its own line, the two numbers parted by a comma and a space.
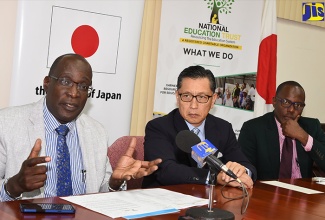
214, 98
46, 82
177, 97
274, 101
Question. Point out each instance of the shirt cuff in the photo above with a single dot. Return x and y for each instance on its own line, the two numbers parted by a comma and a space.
123, 187
249, 173
3, 195
309, 144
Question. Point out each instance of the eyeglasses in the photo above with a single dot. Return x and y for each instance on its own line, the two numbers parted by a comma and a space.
187, 97
287, 103
66, 82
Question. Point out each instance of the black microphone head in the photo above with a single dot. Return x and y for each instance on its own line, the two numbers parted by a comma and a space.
186, 139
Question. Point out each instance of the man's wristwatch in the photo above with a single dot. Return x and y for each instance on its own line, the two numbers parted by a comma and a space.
8, 193
119, 189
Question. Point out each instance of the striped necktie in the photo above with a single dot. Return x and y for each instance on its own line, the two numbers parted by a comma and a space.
196, 131
64, 184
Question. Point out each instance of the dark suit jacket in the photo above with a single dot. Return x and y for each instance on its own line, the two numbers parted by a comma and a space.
178, 167
259, 140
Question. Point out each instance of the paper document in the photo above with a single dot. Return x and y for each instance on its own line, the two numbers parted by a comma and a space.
319, 180
136, 203
291, 187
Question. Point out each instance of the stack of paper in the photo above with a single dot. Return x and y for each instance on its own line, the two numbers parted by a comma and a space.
137, 203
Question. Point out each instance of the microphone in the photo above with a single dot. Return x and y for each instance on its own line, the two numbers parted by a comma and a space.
202, 152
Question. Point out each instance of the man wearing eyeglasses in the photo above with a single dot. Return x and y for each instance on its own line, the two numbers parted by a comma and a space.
282, 143
195, 97
49, 148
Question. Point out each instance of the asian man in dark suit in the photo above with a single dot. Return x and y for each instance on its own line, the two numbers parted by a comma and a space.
263, 139
195, 97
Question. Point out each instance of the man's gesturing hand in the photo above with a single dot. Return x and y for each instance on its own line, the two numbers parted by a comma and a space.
292, 129
127, 167
30, 176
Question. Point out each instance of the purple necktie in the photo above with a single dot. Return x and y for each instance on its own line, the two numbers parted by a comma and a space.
64, 185
286, 159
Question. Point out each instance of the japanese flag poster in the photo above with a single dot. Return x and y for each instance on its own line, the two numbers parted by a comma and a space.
106, 33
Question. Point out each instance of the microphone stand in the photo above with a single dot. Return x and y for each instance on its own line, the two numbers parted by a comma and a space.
210, 213
212, 183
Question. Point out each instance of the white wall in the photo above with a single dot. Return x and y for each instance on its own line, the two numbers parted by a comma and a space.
8, 14
301, 57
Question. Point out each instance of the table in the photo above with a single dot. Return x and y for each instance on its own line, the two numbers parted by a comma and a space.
266, 202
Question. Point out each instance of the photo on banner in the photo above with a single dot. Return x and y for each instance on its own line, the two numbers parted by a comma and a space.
236, 91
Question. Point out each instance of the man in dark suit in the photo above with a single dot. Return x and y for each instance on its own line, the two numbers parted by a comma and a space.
195, 96
262, 139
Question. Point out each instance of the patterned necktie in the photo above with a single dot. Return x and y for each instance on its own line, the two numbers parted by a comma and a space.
64, 185
196, 131
286, 159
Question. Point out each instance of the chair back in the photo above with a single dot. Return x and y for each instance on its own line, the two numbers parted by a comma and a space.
317, 171
119, 147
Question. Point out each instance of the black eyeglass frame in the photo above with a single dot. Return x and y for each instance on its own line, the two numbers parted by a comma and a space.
194, 96
79, 85
296, 105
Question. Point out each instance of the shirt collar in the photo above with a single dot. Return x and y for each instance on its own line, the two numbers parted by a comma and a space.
278, 124
201, 127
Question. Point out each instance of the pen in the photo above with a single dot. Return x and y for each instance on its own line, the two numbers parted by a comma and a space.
83, 175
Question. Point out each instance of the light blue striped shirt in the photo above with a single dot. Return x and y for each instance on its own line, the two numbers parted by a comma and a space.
78, 176
201, 134
76, 164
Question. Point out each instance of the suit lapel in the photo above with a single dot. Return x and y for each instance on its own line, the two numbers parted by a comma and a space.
210, 130
179, 122
272, 142
303, 159
88, 157
36, 129
180, 125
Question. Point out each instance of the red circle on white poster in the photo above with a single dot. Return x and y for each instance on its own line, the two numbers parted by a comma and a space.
85, 41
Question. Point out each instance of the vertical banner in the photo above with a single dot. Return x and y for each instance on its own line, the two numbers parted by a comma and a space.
266, 72
106, 33
220, 35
